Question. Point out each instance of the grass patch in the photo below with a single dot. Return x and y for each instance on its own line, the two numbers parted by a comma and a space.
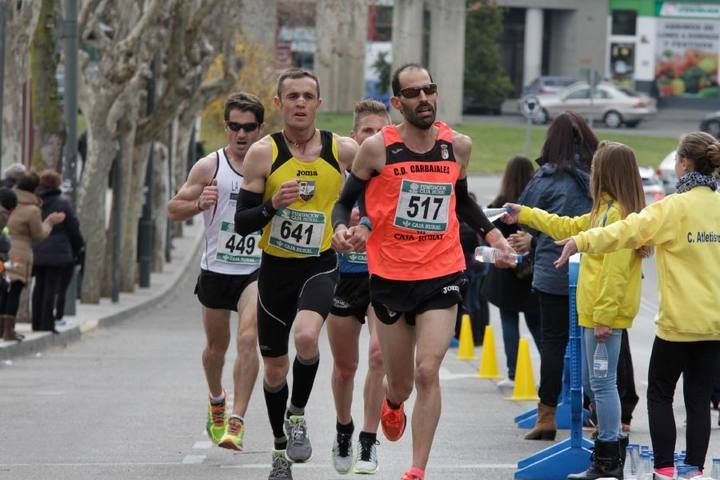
493, 144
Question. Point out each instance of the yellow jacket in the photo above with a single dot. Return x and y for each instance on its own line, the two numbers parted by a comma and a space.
608, 291
685, 229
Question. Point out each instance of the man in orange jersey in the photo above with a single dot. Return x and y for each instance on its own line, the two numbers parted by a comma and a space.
414, 178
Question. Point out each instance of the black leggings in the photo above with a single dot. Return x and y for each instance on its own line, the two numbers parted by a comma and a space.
10, 297
44, 296
697, 362
554, 313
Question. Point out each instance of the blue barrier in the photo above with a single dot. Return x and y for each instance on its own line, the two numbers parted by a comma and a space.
573, 454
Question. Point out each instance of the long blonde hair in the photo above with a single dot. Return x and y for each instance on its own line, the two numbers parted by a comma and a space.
615, 172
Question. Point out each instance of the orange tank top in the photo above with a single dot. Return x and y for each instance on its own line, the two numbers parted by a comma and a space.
411, 204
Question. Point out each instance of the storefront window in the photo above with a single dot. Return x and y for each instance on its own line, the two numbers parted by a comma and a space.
623, 22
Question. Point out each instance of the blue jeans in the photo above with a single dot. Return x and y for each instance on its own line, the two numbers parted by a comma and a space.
603, 391
511, 335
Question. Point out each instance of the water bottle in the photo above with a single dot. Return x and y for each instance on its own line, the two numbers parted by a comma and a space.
600, 361
485, 254
715, 472
629, 467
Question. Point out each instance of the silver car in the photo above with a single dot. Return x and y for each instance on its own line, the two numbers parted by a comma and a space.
613, 105
666, 172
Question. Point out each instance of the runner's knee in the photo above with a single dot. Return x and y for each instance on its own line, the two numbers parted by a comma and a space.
345, 369
375, 359
426, 374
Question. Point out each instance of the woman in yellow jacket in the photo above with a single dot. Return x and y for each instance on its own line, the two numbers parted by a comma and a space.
608, 292
685, 229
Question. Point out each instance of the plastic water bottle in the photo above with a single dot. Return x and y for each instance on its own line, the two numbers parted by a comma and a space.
715, 472
485, 254
629, 472
600, 361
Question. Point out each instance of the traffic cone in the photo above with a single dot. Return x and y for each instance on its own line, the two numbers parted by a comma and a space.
466, 350
488, 367
524, 378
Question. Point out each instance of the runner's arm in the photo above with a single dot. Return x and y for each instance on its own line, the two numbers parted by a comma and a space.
465, 207
363, 167
186, 202
251, 213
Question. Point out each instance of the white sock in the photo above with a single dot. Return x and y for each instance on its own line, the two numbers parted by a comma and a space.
217, 399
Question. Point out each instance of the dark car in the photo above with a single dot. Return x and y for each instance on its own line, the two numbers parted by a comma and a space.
711, 124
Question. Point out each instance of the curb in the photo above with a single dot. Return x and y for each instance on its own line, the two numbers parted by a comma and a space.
186, 251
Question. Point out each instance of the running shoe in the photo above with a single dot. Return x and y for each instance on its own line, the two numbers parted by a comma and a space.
216, 420
234, 434
411, 476
281, 466
299, 449
392, 421
367, 462
342, 454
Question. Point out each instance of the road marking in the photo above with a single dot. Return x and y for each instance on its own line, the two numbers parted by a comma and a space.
202, 445
473, 466
193, 459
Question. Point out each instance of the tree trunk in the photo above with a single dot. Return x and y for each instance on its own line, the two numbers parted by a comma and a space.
102, 148
47, 110
21, 23
159, 205
136, 198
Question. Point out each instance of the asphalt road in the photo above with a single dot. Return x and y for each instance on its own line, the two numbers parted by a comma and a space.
129, 402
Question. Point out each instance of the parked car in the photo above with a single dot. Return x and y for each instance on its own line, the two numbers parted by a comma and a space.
548, 84
652, 186
613, 105
711, 124
666, 172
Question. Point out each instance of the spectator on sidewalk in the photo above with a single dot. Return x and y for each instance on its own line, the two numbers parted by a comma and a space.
683, 228
56, 256
511, 289
560, 186
11, 174
26, 227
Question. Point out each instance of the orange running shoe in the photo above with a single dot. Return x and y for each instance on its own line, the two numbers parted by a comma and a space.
393, 421
414, 474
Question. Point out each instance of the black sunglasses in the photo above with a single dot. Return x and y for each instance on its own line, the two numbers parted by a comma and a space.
248, 127
412, 92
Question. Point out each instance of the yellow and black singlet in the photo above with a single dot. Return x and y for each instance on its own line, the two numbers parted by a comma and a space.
303, 229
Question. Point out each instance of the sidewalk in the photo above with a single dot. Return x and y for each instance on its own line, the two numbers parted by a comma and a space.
90, 317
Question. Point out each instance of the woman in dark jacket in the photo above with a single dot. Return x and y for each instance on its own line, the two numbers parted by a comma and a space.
560, 186
509, 289
54, 256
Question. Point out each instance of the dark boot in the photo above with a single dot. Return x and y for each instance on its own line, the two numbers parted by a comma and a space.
545, 426
605, 463
622, 447
9, 334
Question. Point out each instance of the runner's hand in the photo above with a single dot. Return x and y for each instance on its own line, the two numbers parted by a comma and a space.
569, 249
496, 239
340, 239
208, 196
358, 237
355, 216
286, 194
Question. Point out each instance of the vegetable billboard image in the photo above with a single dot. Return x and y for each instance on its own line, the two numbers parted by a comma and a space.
686, 61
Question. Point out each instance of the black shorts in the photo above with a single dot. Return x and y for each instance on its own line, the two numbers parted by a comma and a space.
393, 298
286, 286
352, 296
220, 290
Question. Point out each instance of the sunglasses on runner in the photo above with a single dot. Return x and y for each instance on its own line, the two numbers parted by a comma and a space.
248, 127
412, 92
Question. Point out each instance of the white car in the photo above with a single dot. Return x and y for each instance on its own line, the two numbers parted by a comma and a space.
612, 105
666, 172
652, 186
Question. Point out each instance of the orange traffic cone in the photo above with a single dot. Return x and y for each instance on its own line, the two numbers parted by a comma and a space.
488, 367
466, 347
524, 378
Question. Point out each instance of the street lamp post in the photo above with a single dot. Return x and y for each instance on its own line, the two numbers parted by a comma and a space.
3, 8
